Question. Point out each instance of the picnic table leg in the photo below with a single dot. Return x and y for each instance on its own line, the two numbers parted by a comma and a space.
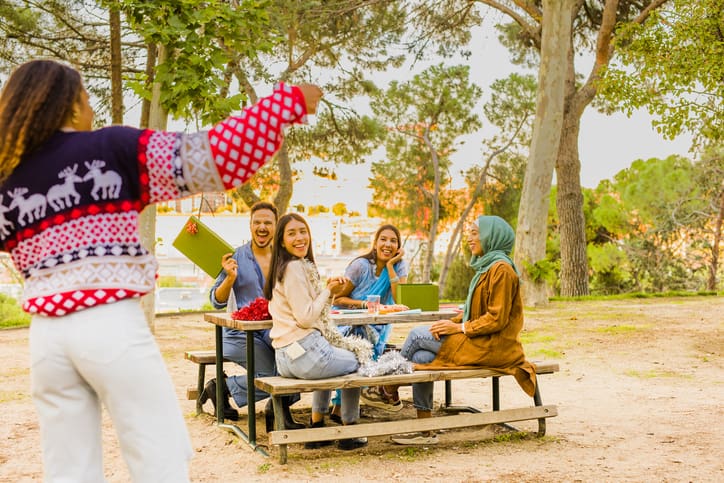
496, 393
250, 387
279, 426
448, 393
219, 375
200, 387
251, 437
541, 421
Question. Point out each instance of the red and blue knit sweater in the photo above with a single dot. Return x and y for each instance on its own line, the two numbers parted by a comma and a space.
69, 211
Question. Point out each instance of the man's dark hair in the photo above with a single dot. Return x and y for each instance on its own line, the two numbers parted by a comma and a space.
265, 205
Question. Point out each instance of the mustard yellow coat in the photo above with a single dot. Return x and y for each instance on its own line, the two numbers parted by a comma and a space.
492, 335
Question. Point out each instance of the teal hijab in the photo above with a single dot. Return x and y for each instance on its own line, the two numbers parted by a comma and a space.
497, 239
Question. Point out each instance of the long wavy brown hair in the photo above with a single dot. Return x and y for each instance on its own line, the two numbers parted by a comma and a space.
35, 102
280, 256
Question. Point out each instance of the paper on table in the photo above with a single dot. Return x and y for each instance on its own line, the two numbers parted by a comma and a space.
403, 312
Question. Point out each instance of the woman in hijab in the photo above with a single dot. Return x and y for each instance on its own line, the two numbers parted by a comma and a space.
486, 334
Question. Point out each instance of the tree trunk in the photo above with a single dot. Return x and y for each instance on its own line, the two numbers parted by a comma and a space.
430, 256
286, 183
247, 194
157, 120
116, 61
533, 210
714, 265
569, 201
151, 54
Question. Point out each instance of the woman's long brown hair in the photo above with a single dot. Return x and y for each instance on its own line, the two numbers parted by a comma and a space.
36, 101
280, 256
372, 254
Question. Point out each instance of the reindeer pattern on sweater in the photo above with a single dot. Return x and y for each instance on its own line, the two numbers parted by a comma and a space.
70, 219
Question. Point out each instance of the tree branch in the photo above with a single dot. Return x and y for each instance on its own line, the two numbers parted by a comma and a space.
533, 31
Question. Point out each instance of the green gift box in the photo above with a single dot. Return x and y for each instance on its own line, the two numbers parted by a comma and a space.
202, 246
423, 296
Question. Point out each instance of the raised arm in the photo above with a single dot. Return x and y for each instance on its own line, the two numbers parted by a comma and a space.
178, 165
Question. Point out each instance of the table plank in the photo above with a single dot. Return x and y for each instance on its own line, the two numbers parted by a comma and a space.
285, 385
224, 319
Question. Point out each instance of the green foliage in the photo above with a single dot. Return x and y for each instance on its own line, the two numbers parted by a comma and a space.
425, 117
653, 214
73, 31
338, 135
344, 42
640, 295
202, 39
673, 65
458, 278
11, 314
169, 281
542, 270
610, 267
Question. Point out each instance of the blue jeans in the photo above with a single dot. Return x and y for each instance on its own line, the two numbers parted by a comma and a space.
235, 350
383, 335
421, 347
321, 360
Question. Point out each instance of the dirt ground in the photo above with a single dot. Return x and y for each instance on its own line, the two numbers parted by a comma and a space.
640, 397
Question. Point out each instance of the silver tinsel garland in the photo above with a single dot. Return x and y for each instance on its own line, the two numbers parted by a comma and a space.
361, 348
390, 362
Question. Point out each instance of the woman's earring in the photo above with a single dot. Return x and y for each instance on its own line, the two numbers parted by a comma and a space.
74, 118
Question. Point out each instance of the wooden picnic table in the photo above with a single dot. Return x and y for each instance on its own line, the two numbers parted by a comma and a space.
223, 319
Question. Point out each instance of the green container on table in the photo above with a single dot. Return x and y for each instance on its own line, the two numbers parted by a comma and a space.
423, 296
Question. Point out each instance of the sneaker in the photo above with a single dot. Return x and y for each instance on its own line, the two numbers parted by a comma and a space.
418, 439
373, 396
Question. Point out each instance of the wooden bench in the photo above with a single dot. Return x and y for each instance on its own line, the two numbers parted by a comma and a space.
279, 386
203, 359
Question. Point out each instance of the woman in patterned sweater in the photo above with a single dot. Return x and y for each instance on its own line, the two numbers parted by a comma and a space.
71, 226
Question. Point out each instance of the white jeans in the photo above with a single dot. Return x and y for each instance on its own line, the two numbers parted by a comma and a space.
106, 355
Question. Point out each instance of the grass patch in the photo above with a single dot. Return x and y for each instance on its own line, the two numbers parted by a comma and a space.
263, 468
656, 373
511, 437
16, 371
535, 336
11, 314
638, 295
619, 329
7, 396
409, 453
545, 353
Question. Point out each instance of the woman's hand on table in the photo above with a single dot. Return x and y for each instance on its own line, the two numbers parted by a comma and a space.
445, 327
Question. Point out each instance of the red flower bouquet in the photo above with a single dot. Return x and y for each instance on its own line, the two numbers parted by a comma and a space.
258, 309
